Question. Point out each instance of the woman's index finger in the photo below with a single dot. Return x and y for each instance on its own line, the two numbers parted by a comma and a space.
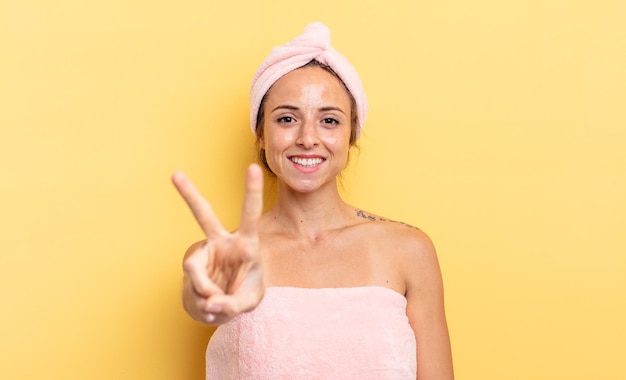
253, 201
200, 208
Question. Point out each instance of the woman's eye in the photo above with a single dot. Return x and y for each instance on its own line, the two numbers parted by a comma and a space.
285, 119
330, 120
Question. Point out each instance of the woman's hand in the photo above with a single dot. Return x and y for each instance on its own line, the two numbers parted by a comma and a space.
223, 275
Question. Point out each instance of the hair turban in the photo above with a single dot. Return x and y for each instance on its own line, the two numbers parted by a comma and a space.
313, 44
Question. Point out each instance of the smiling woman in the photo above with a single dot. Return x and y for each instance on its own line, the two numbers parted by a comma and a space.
306, 135
314, 287
311, 92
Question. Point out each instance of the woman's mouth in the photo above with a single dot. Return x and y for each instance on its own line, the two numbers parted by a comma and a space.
306, 162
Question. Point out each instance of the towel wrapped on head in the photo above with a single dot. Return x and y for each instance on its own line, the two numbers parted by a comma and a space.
313, 44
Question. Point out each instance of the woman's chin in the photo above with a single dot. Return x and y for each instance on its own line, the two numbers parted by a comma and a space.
303, 186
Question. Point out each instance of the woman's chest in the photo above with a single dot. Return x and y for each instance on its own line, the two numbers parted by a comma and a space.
340, 261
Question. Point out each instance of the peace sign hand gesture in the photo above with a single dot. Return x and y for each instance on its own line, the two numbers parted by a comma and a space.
223, 275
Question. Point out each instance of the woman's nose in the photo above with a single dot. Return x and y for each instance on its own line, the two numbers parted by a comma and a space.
307, 134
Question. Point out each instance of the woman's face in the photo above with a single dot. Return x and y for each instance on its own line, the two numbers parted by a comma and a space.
307, 128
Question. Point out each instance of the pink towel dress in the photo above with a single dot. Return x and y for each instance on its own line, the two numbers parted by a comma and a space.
317, 333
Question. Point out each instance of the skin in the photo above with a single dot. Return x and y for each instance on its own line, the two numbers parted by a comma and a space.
311, 237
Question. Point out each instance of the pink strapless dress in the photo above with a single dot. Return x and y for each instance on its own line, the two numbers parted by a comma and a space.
328, 333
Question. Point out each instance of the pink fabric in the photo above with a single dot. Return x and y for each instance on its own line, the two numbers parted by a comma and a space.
330, 333
313, 44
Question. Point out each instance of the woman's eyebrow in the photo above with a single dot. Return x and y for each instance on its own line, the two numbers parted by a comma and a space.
331, 108
294, 108
287, 107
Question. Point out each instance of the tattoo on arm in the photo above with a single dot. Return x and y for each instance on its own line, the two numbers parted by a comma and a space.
373, 218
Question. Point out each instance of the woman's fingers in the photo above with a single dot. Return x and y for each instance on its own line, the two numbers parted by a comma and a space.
231, 305
253, 201
195, 267
201, 209
216, 269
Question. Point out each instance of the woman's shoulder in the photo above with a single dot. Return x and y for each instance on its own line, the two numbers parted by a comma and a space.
397, 235
408, 246
387, 225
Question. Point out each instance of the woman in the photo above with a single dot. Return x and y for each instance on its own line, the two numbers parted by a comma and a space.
313, 288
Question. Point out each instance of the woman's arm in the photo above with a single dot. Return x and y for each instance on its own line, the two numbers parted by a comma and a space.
425, 309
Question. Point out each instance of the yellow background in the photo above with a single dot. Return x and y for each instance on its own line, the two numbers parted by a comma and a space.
499, 127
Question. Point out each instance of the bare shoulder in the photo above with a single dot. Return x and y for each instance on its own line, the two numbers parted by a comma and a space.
413, 254
401, 237
409, 247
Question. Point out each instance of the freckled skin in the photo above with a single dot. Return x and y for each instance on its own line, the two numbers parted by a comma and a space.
308, 97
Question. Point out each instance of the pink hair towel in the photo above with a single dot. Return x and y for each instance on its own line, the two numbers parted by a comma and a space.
313, 44
359, 333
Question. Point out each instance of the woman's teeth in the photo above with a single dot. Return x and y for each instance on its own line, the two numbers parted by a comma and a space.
307, 161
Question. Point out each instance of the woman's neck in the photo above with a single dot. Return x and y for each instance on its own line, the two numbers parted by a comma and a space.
308, 214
